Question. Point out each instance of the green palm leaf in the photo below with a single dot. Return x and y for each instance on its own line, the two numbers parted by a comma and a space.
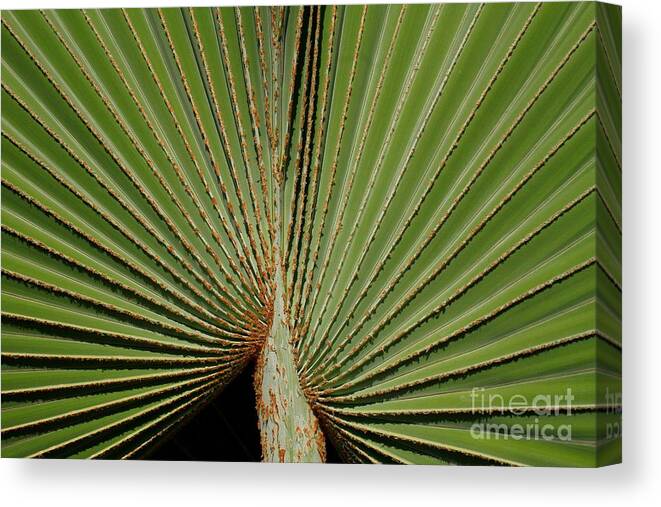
398, 211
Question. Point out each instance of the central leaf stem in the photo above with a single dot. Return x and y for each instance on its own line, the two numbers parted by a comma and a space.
289, 429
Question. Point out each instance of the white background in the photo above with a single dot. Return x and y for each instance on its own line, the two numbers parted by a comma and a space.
636, 482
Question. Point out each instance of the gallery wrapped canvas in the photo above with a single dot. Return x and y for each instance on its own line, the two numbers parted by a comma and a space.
368, 234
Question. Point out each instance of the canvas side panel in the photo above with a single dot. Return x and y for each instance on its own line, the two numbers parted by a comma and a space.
609, 230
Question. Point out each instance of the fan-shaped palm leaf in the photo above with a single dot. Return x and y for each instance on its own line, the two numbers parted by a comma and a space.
410, 215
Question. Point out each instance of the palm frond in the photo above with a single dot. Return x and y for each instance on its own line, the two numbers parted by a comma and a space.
398, 211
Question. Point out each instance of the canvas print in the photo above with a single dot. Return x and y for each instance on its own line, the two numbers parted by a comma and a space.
359, 234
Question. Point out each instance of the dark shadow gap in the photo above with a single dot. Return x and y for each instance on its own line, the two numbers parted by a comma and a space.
224, 430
